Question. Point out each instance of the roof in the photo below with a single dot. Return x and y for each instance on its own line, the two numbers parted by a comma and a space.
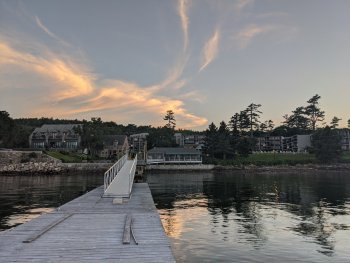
110, 139
56, 128
173, 150
139, 135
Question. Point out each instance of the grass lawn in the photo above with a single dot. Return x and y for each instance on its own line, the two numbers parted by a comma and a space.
66, 157
268, 159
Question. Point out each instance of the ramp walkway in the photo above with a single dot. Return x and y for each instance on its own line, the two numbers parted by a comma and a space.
119, 179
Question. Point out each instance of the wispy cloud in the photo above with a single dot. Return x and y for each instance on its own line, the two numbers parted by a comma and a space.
72, 90
247, 34
183, 6
64, 85
210, 50
47, 31
240, 5
73, 79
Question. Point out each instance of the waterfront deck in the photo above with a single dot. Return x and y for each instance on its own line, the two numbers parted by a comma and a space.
90, 229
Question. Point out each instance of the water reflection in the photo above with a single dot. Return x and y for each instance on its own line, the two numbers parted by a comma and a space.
23, 198
265, 213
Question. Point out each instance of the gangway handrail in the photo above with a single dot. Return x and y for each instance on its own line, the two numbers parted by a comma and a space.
113, 171
132, 174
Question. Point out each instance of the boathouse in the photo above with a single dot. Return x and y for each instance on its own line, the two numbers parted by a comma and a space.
173, 155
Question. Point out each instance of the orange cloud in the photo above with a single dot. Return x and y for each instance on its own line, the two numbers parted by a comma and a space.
72, 79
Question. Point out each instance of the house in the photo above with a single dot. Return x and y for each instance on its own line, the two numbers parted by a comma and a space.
296, 143
345, 139
185, 140
138, 145
174, 155
269, 143
114, 146
55, 136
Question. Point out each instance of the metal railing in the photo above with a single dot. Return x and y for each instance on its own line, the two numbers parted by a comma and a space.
132, 174
113, 171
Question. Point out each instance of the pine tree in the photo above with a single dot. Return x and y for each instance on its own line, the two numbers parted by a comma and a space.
313, 112
170, 118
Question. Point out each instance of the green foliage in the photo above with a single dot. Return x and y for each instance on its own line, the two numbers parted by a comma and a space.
269, 159
335, 122
161, 137
211, 140
313, 111
245, 146
92, 135
170, 118
326, 144
253, 114
223, 147
66, 157
12, 135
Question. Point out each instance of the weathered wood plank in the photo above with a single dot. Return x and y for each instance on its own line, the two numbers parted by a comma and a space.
46, 229
127, 229
92, 234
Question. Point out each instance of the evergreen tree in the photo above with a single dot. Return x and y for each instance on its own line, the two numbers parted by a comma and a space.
335, 122
211, 140
170, 118
253, 114
244, 121
245, 146
313, 112
297, 120
326, 144
223, 136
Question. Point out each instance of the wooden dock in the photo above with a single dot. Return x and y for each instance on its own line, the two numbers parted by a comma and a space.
90, 229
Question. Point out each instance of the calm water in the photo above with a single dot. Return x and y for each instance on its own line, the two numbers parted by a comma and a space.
25, 197
241, 217
219, 217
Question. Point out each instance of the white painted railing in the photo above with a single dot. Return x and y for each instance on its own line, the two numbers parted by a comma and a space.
132, 174
113, 171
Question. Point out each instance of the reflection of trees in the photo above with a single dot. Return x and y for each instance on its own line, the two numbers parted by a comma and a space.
234, 194
314, 197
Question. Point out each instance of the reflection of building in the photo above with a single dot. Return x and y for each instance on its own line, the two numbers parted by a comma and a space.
269, 143
138, 145
170, 155
114, 146
345, 139
55, 136
190, 140
296, 143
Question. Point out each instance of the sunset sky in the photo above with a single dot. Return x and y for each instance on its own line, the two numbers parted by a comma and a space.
130, 61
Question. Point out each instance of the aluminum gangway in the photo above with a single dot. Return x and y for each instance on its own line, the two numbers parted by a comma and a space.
119, 179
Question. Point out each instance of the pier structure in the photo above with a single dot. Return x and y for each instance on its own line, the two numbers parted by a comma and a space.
93, 228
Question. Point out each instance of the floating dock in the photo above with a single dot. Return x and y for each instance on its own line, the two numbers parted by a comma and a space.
92, 229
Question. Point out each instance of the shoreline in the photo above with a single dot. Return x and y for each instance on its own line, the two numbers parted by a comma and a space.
65, 168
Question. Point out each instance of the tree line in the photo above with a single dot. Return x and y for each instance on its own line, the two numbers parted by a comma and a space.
14, 133
237, 137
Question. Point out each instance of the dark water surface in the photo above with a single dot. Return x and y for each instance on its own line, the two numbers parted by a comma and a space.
218, 217
23, 198
243, 217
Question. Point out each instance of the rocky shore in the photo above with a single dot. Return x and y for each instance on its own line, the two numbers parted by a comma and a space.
38, 163
32, 168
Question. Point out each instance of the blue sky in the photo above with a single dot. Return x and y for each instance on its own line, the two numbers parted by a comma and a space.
130, 61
